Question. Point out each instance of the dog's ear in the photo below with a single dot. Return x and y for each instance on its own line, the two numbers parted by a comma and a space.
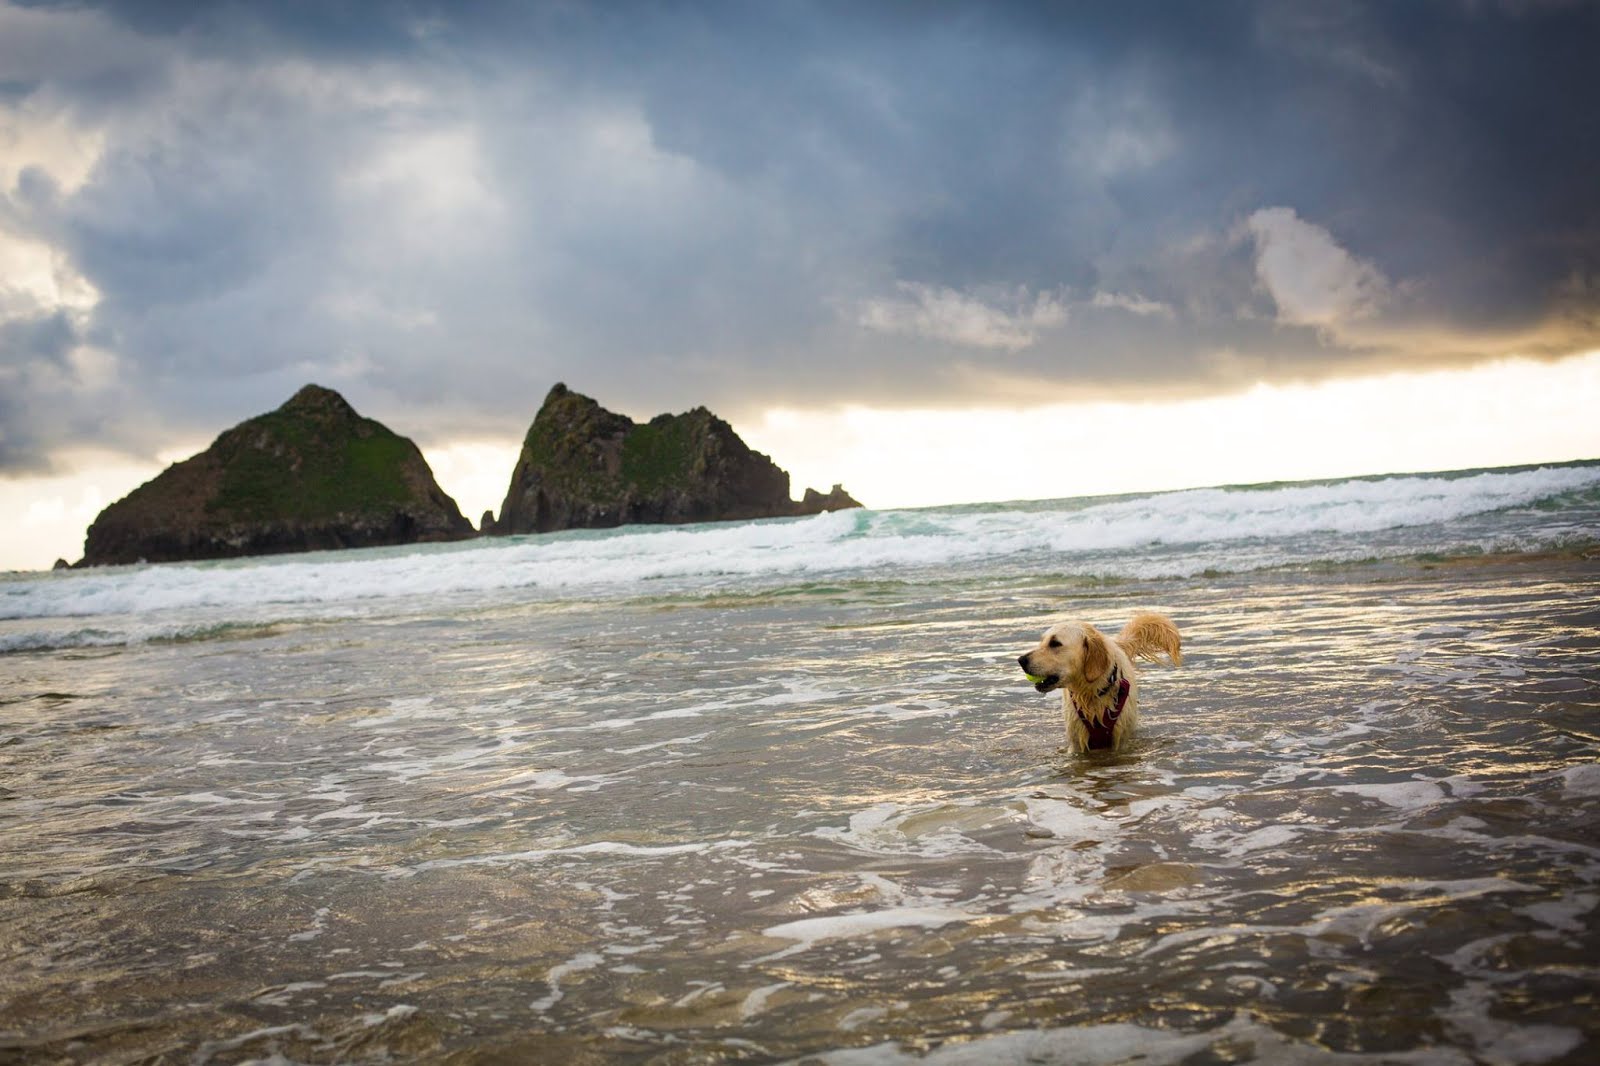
1096, 656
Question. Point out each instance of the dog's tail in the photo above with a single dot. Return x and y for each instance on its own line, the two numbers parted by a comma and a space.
1146, 636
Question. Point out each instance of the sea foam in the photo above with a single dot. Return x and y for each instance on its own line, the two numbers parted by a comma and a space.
1174, 534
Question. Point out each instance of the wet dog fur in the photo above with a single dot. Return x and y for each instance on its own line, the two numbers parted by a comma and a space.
1078, 659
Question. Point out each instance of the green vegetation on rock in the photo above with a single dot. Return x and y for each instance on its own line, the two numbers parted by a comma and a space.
660, 454
312, 474
583, 466
283, 468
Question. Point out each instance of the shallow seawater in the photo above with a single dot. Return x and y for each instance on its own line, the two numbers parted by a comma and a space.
825, 823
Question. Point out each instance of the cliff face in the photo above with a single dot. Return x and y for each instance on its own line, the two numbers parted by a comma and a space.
311, 475
582, 467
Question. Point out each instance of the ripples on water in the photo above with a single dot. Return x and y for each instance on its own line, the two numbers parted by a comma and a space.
833, 823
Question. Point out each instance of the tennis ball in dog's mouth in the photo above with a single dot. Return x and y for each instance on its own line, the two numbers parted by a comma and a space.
1033, 679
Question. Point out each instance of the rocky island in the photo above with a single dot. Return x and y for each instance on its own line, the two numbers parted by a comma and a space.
311, 475
584, 467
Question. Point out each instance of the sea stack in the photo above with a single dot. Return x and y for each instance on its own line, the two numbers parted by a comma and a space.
584, 467
311, 475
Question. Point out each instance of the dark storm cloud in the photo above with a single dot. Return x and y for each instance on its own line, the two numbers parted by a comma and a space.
442, 208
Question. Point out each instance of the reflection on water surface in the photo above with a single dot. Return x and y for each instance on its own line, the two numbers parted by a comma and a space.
1361, 820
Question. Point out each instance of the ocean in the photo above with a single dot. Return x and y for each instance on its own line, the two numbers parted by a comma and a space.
777, 791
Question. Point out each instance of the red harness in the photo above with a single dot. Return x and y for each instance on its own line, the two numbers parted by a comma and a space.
1102, 734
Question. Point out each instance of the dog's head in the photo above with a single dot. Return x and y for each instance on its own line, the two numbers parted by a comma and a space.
1069, 653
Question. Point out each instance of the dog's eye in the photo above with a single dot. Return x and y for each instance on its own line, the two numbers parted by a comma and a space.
1054, 643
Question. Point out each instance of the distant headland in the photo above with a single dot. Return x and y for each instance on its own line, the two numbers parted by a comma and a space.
314, 474
583, 467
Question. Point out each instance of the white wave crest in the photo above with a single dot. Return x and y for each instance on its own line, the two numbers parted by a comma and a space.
1162, 535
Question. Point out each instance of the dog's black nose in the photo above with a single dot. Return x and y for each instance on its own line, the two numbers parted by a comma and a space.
1022, 661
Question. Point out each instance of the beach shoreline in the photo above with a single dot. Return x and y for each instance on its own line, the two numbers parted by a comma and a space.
817, 820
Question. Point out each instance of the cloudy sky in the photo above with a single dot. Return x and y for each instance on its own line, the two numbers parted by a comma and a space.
917, 247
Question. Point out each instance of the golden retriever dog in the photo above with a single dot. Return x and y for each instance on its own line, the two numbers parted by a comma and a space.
1099, 687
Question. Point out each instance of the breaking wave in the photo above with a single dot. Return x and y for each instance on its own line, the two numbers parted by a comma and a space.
1151, 536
